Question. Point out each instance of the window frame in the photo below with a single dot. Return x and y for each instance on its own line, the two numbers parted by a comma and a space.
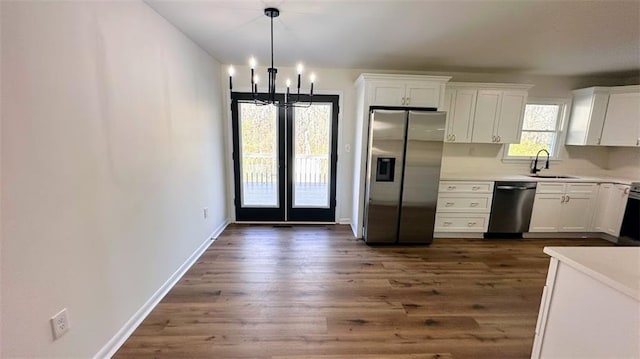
563, 116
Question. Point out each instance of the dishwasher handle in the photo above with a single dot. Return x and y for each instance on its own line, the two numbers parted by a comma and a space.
514, 187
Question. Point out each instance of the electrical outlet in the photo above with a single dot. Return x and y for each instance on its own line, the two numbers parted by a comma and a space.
60, 324
205, 212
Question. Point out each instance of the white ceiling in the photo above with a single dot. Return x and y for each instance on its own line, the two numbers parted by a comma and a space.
518, 36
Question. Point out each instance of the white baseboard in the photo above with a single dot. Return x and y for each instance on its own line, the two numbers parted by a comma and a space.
344, 221
112, 346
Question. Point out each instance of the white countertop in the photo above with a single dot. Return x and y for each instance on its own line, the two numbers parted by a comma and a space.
617, 267
503, 177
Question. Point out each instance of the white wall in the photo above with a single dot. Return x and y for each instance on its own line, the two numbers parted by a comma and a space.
112, 144
624, 162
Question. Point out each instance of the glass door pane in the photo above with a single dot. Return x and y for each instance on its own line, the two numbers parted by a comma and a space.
258, 127
311, 155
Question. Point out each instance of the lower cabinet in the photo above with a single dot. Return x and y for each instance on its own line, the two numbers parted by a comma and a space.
609, 208
463, 206
563, 207
585, 310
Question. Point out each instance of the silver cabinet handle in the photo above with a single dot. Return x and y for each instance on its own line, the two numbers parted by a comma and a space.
408, 100
451, 188
475, 188
563, 199
403, 102
454, 137
626, 190
568, 198
493, 138
499, 139
638, 142
474, 204
447, 223
449, 204
471, 224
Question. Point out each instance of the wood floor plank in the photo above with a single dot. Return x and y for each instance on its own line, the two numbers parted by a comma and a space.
316, 292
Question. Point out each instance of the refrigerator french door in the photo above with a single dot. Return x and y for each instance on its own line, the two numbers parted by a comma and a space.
403, 172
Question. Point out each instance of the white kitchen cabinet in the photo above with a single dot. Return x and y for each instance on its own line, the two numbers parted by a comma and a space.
392, 92
622, 119
590, 305
606, 116
587, 116
499, 116
568, 211
485, 113
609, 208
460, 107
463, 206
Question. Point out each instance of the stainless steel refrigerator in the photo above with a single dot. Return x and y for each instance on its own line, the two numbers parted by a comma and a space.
403, 172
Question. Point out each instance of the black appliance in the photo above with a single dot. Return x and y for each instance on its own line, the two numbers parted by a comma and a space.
630, 230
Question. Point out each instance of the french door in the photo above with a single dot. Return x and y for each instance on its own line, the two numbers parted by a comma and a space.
285, 160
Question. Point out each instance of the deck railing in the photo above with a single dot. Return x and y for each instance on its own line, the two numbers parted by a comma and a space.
263, 169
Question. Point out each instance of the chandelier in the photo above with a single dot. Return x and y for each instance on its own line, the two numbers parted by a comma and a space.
290, 100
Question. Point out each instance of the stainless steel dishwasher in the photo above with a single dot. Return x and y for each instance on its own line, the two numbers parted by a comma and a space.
511, 208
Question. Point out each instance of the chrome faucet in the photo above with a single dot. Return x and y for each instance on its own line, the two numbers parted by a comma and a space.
534, 167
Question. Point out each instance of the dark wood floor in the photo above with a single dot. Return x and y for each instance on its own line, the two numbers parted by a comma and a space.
316, 292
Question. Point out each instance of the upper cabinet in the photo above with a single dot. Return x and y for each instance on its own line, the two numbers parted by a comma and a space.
404, 90
606, 116
485, 113
622, 121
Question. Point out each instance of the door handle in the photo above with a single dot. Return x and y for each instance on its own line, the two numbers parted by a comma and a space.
568, 198
453, 137
626, 190
563, 199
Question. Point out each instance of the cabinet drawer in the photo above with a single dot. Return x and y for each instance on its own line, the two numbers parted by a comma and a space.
464, 202
550, 187
466, 187
461, 222
581, 188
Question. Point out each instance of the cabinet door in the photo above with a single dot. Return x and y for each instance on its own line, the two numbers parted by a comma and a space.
422, 94
587, 117
547, 209
509, 126
387, 93
622, 121
599, 223
460, 118
615, 209
486, 116
576, 213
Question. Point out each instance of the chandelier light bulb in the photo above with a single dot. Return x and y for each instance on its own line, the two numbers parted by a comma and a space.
232, 71
312, 78
288, 83
256, 79
252, 62
300, 68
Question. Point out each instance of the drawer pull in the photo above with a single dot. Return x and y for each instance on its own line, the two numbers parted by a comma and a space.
471, 224
474, 204
449, 204
475, 188
447, 223
568, 198
451, 188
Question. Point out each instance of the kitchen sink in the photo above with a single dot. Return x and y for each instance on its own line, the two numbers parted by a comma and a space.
549, 176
